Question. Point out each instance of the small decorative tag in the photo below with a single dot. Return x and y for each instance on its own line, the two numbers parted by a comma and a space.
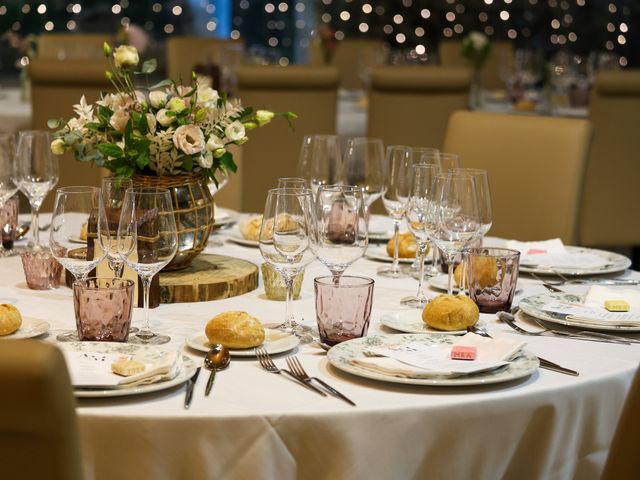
462, 352
617, 305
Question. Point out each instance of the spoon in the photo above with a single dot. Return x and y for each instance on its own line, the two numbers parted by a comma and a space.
217, 358
21, 231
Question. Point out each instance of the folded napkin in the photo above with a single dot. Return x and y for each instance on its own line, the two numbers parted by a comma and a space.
553, 254
93, 370
417, 360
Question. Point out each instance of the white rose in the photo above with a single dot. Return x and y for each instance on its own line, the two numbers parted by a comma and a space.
158, 98
206, 160
207, 95
74, 124
478, 40
119, 119
151, 122
164, 119
126, 56
214, 143
189, 139
57, 146
263, 117
176, 104
234, 131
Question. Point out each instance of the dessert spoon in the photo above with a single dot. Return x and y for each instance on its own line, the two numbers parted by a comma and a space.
217, 358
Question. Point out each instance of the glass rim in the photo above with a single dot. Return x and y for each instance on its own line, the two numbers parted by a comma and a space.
33, 252
337, 187
365, 139
327, 281
32, 131
292, 191
78, 189
320, 135
124, 283
469, 171
506, 252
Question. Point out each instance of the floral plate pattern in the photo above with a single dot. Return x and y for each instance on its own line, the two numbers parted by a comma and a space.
616, 263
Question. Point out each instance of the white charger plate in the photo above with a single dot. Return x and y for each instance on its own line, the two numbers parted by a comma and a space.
30, 328
410, 321
272, 345
615, 263
340, 356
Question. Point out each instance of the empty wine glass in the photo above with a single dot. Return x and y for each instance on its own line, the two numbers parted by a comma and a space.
147, 241
341, 227
364, 167
448, 161
113, 191
395, 198
7, 165
320, 162
286, 242
292, 182
420, 212
457, 219
36, 172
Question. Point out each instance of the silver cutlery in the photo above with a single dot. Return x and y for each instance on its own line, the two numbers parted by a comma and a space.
547, 285
217, 358
564, 280
298, 370
267, 364
190, 384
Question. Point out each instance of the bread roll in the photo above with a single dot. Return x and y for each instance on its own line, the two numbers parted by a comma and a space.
407, 246
451, 312
235, 330
10, 319
483, 271
250, 229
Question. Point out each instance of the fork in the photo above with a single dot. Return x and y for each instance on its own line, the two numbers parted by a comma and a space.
267, 364
548, 285
298, 370
563, 280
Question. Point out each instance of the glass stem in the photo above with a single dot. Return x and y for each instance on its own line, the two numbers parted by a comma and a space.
450, 260
118, 268
396, 243
35, 228
422, 248
288, 317
433, 270
464, 283
145, 331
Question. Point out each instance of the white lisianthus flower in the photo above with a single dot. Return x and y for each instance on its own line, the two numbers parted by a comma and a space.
158, 98
219, 152
74, 124
141, 97
206, 160
164, 119
214, 143
126, 56
478, 40
57, 146
234, 131
189, 139
176, 104
264, 116
207, 95
183, 90
151, 122
119, 119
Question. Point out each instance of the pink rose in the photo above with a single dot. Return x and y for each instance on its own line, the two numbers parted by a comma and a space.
189, 139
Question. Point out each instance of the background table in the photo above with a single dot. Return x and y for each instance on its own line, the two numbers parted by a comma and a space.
262, 426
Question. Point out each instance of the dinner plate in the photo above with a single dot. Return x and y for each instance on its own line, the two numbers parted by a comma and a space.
30, 328
379, 253
188, 368
615, 263
533, 306
340, 356
236, 237
410, 321
225, 216
441, 282
77, 240
272, 344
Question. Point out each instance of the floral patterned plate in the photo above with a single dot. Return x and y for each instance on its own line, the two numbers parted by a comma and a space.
340, 356
275, 341
615, 263
410, 321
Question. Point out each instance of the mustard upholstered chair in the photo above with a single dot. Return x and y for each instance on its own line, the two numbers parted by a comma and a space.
613, 170
272, 152
411, 105
501, 57
535, 164
57, 85
38, 425
72, 46
184, 53
623, 461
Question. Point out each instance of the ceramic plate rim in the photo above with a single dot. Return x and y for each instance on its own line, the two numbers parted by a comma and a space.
443, 288
384, 320
476, 380
236, 237
35, 323
579, 273
381, 255
195, 342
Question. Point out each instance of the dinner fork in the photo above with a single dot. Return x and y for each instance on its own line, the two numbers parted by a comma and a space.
298, 370
547, 285
267, 364
563, 280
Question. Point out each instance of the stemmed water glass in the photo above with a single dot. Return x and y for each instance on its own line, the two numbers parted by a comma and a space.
364, 166
420, 212
286, 242
457, 220
395, 198
8, 187
147, 241
113, 192
341, 226
292, 182
320, 162
36, 172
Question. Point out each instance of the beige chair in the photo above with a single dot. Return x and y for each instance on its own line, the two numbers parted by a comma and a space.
623, 461
72, 46
535, 166
272, 151
613, 170
57, 85
38, 425
184, 53
412, 105
500, 58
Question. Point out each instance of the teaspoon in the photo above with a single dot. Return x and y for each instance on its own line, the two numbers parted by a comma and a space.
217, 358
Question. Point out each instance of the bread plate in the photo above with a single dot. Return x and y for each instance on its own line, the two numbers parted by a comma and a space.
275, 341
236, 237
379, 253
30, 328
410, 321
441, 282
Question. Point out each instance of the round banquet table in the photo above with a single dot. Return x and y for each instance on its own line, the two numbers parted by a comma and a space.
256, 425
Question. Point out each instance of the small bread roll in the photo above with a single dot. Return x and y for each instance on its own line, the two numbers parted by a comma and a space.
235, 330
451, 312
84, 231
250, 229
10, 319
483, 271
407, 246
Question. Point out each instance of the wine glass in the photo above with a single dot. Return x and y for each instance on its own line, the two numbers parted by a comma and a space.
292, 182
113, 191
395, 198
448, 161
36, 172
419, 212
364, 166
147, 241
286, 242
457, 220
75, 207
341, 227
8, 188
320, 162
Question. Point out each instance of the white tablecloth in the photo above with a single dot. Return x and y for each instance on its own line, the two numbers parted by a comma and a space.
15, 113
256, 425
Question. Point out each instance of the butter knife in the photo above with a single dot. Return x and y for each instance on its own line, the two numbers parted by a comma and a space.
190, 384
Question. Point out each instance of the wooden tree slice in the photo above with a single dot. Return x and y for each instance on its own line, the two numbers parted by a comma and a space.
209, 277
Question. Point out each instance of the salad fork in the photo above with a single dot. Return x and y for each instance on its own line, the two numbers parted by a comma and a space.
267, 364
298, 370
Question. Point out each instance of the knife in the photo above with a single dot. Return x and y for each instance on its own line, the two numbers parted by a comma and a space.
190, 384
544, 363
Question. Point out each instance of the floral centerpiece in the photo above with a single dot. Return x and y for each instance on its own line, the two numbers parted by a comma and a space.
166, 135
476, 48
